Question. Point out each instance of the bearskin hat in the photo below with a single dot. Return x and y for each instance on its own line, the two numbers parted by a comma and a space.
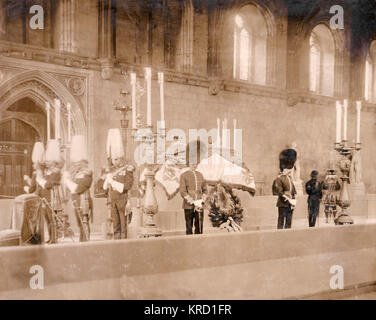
287, 159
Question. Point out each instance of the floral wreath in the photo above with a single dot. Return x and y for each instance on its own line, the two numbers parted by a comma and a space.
225, 209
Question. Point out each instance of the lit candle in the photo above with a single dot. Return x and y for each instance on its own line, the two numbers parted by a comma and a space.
57, 118
345, 106
218, 133
48, 120
339, 122
134, 106
148, 88
358, 110
161, 89
69, 122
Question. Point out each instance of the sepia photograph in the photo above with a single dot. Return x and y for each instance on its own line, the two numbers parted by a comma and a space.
188, 150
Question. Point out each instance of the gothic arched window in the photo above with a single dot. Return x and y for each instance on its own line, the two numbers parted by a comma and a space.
250, 45
370, 74
321, 61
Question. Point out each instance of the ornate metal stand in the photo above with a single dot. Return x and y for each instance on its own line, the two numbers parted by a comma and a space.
150, 207
345, 165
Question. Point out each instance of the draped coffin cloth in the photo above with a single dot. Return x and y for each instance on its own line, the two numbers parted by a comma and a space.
218, 169
168, 176
214, 169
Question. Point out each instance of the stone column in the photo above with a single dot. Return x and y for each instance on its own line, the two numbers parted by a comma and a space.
67, 15
215, 27
107, 36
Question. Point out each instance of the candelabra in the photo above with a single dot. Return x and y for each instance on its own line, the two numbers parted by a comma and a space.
145, 132
346, 153
150, 206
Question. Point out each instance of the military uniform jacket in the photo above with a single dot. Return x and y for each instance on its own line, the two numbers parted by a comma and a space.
125, 177
284, 186
313, 189
192, 186
83, 179
50, 190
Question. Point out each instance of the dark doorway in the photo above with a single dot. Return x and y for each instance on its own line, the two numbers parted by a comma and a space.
17, 139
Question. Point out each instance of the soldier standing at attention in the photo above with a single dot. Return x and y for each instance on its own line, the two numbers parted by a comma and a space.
285, 189
78, 180
118, 182
313, 189
192, 189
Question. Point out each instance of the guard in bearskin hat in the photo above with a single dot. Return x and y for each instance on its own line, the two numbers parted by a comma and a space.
285, 189
313, 189
78, 180
193, 189
117, 183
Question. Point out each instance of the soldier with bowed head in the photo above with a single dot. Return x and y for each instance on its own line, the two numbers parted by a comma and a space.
78, 180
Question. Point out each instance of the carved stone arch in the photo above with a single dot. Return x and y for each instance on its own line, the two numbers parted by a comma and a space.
41, 88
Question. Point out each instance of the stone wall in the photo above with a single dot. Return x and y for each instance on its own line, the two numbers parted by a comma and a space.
254, 265
268, 125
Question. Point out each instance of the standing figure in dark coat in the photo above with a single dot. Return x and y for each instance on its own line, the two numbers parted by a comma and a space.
283, 186
313, 189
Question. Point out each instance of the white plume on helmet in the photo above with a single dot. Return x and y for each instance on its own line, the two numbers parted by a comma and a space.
115, 147
38, 152
53, 151
78, 150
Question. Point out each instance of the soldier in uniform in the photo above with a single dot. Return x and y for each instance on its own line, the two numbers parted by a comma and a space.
283, 186
48, 179
193, 190
118, 182
78, 180
313, 189
331, 186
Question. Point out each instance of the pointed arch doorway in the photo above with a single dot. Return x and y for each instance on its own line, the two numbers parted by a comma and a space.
23, 117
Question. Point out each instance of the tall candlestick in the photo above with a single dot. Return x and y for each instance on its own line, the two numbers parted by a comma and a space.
218, 133
134, 106
57, 118
69, 122
148, 88
339, 122
161, 89
358, 110
345, 107
48, 121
